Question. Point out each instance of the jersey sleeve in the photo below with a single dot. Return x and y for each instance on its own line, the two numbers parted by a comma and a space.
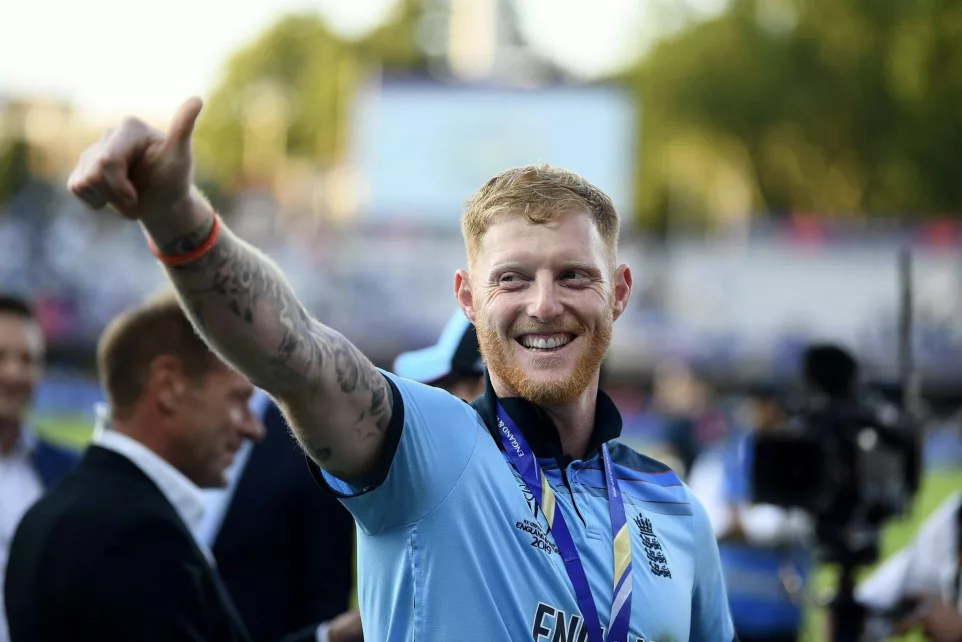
710, 614
429, 443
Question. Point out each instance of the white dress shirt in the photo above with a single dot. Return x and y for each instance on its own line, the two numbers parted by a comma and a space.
186, 498
20, 487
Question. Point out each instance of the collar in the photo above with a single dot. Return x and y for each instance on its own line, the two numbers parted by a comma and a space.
538, 428
186, 498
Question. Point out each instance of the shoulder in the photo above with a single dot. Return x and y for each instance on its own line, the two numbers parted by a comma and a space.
944, 520
632, 459
81, 526
656, 482
420, 402
91, 501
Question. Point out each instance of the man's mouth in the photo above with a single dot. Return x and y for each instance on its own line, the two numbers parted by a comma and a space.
545, 342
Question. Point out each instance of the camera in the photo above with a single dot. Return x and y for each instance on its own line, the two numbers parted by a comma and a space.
849, 456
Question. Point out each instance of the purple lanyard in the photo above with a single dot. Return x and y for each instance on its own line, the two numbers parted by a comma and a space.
524, 461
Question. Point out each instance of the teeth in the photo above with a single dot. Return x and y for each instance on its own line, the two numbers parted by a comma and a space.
543, 343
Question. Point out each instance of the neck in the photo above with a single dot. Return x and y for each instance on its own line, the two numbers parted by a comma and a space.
144, 434
575, 420
9, 435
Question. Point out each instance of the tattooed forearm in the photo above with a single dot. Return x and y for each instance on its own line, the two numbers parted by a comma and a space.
243, 306
190, 241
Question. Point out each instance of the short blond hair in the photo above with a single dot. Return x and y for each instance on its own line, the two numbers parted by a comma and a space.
540, 193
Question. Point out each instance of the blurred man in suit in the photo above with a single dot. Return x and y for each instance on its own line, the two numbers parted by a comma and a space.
453, 363
108, 554
29, 465
285, 551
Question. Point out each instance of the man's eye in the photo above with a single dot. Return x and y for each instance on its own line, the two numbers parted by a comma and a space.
572, 275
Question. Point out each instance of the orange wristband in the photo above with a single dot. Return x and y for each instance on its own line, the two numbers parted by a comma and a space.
195, 254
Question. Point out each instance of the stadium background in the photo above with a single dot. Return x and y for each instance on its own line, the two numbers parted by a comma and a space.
769, 157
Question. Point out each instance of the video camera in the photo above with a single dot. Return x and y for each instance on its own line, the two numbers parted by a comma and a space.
850, 457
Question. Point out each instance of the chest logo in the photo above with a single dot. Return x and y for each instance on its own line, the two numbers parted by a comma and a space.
657, 561
539, 539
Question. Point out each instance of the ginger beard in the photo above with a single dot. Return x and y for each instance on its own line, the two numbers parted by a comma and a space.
500, 354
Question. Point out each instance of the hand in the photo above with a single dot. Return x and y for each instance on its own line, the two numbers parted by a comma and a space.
139, 171
346, 627
940, 622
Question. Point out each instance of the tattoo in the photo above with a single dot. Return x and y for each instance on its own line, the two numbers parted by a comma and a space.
190, 241
243, 305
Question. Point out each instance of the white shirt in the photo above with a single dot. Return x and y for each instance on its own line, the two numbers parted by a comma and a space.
927, 564
20, 487
186, 498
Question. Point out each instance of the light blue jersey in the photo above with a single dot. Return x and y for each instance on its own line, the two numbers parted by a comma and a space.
450, 546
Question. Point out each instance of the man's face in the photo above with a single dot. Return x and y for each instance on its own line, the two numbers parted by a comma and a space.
214, 420
544, 298
21, 365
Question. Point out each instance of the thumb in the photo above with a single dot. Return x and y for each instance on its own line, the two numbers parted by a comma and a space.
182, 125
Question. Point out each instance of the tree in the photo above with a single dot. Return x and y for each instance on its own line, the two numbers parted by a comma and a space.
14, 167
287, 94
835, 106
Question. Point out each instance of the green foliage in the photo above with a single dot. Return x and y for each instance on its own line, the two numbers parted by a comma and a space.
313, 74
837, 106
14, 167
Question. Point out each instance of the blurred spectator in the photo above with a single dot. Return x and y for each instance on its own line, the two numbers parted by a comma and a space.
453, 363
921, 584
763, 552
28, 464
107, 554
690, 421
284, 550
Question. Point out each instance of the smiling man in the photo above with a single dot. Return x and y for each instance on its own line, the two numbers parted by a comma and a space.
29, 464
520, 517
108, 554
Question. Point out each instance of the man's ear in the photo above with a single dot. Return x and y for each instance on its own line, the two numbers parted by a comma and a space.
166, 383
622, 289
462, 290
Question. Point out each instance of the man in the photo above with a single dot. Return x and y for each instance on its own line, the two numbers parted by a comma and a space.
29, 465
108, 553
453, 363
450, 502
284, 551
920, 586
764, 549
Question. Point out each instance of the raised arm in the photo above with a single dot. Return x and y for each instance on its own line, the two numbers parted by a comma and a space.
338, 403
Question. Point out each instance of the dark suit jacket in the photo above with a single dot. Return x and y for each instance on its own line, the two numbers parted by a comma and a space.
285, 550
104, 557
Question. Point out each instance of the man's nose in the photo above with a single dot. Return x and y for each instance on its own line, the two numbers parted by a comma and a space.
253, 428
545, 305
